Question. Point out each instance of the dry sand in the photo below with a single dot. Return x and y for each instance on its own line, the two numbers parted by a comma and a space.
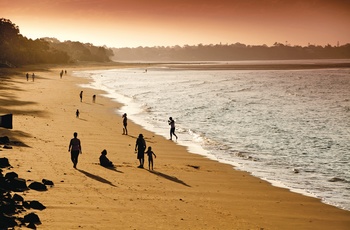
174, 196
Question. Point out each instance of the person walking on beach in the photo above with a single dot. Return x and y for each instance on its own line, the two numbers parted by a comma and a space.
75, 149
81, 96
171, 122
61, 74
33, 76
150, 155
141, 147
125, 124
94, 98
27, 76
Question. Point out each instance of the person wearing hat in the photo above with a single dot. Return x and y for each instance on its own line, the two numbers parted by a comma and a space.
141, 147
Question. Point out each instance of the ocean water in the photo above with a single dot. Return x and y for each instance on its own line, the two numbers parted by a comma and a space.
289, 127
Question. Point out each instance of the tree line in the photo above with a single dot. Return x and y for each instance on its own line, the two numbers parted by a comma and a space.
17, 50
231, 52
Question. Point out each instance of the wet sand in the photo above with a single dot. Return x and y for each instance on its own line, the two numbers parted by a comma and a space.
185, 191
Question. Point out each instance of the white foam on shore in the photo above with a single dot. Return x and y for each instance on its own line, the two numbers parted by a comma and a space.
254, 159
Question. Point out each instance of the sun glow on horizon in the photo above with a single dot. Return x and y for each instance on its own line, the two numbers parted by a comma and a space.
128, 24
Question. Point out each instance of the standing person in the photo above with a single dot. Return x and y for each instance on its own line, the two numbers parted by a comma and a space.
94, 98
33, 76
27, 76
125, 124
81, 96
171, 122
150, 154
140, 146
61, 74
77, 113
75, 149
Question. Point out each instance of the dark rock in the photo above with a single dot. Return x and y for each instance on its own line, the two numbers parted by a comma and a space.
37, 186
12, 205
4, 140
7, 221
47, 182
4, 162
17, 197
37, 205
31, 225
31, 218
7, 147
26, 204
18, 184
11, 175
8, 207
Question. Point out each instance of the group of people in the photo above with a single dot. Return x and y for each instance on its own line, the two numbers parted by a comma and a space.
27, 76
140, 147
81, 97
171, 122
63, 72
75, 149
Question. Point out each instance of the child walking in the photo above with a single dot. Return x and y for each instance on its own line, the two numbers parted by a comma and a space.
150, 154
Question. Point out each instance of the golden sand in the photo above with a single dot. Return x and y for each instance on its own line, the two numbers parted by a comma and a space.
175, 195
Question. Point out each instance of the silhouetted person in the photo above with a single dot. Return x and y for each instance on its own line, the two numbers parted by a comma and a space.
61, 74
150, 155
94, 98
33, 76
171, 122
65, 71
125, 124
75, 149
81, 96
77, 113
104, 161
27, 76
141, 147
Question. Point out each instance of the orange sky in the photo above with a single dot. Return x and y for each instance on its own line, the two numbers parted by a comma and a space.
132, 23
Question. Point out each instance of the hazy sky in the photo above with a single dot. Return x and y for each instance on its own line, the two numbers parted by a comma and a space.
132, 23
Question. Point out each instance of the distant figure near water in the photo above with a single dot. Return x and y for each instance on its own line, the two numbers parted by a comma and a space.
150, 155
27, 76
141, 147
81, 96
33, 76
61, 74
94, 98
77, 113
125, 124
171, 122
75, 149
104, 161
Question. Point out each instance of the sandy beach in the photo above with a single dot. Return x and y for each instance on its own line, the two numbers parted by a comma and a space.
185, 191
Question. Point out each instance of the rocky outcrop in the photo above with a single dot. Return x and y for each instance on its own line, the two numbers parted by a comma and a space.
13, 207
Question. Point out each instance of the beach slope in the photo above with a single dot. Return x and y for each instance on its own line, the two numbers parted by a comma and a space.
185, 191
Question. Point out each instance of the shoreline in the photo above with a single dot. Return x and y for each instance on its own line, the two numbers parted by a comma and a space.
196, 148
253, 64
215, 195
